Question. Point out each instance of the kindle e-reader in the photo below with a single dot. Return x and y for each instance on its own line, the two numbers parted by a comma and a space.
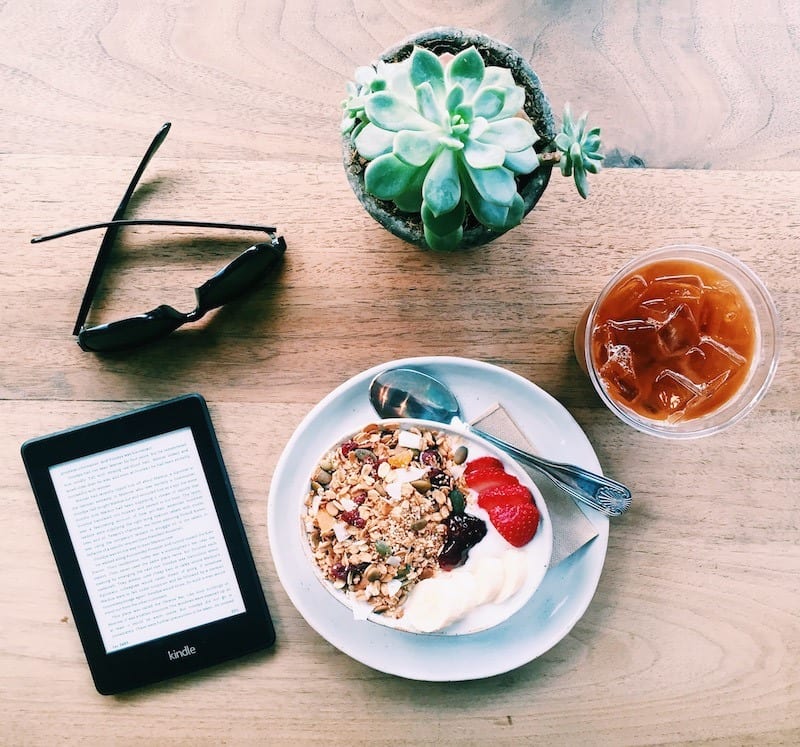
148, 541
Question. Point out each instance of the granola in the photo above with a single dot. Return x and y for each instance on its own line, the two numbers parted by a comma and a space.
375, 514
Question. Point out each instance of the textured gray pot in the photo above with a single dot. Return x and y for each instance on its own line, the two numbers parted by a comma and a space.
408, 226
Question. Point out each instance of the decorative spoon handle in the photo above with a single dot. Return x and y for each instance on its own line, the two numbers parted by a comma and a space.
607, 496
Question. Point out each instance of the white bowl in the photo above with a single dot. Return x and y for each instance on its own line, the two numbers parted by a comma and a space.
537, 552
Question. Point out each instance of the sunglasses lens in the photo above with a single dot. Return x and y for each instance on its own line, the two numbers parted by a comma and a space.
240, 275
132, 332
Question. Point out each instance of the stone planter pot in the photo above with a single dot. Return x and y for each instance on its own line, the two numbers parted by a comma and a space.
441, 40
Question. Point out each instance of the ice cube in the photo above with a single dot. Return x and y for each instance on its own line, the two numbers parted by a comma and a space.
722, 316
628, 294
666, 293
679, 333
638, 335
674, 392
711, 363
618, 373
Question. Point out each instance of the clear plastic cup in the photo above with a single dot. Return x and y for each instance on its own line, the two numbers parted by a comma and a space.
755, 380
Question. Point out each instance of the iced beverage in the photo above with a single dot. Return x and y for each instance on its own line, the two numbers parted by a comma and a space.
676, 338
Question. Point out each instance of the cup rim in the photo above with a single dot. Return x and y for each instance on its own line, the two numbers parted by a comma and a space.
771, 333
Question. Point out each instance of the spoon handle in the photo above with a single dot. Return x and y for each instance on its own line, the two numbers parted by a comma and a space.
607, 496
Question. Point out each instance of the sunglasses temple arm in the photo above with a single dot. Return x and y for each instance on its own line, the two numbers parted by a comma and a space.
111, 234
115, 225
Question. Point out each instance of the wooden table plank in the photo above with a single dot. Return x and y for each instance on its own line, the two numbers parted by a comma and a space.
711, 83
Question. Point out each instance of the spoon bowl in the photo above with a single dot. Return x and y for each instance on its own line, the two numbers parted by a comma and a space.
406, 392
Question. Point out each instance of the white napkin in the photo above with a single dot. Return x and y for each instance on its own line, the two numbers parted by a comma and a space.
571, 529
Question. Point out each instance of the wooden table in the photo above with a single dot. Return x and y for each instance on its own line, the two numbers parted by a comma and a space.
693, 635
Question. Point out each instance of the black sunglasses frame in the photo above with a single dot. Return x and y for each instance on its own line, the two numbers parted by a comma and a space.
135, 331
164, 319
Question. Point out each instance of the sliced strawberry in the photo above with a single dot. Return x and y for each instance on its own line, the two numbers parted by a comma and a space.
504, 495
483, 479
484, 462
516, 523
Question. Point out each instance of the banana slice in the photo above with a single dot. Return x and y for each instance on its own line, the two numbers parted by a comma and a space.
438, 602
514, 570
488, 574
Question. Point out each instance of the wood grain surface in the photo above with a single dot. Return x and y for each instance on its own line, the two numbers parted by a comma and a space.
681, 84
693, 636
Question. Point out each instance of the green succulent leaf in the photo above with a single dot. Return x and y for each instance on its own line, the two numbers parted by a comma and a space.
490, 214
410, 200
392, 113
522, 161
446, 223
387, 177
516, 212
512, 134
563, 142
415, 148
427, 104
578, 172
478, 127
591, 144
426, 67
454, 98
465, 111
441, 189
489, 102
501, 77
443, 243
567, 125
348, 123
565, 164
453, 143
466, 70
515, 103
591, 166
494, 185
482, 155
372, 141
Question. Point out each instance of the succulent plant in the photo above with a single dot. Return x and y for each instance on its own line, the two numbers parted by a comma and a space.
444, 139
580, 150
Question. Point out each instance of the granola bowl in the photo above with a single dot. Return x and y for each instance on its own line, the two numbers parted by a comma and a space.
407, 523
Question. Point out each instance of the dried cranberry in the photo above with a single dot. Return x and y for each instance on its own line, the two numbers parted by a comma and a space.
339, 571
354, 518
439, 478
463, 532
430, 458
348, 446
360, 497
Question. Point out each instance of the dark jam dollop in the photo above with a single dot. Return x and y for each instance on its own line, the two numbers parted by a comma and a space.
464, 531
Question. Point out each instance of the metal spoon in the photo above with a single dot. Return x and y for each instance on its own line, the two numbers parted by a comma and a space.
408, 393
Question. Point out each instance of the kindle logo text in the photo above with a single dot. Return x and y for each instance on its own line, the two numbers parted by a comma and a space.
180, 653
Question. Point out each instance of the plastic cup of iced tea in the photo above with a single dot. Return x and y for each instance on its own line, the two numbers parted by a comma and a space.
682, 342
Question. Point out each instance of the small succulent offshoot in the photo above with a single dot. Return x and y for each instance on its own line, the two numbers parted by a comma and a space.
444, 139
579, 149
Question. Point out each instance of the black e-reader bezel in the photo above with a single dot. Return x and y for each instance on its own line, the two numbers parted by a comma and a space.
208, 644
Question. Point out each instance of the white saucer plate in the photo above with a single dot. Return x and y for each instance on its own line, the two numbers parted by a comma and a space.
559, 602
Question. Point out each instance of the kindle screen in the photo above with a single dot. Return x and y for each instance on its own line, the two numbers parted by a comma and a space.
147, 538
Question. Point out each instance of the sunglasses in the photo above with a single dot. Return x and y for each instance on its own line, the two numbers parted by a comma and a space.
229, 283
